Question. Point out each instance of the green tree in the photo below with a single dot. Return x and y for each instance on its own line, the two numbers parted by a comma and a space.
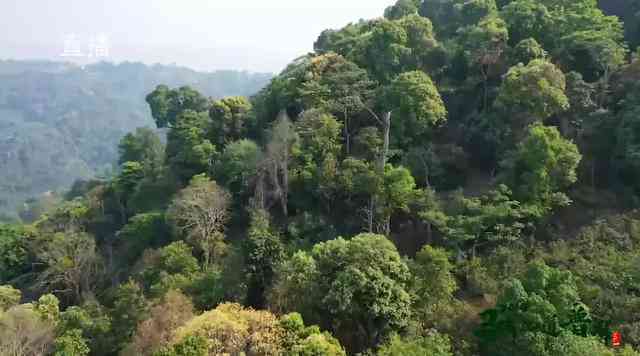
130, 308
432, 285
189, 151
359, 284
142, 146
263, 252
229, 118
541, 168
545, 302
401, 9
433, 345
534, 91
526, 51
14, 250
527, 19
239, 165
71, 343
166, 104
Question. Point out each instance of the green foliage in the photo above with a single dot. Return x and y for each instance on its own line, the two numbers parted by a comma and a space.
541, 168
71, 343
433, 284
167, 104
143, 231
239, 164
264, 251
142, 146
415, 96
527, 50
544, 303
535, 89
229, 118
492, 219
14, 256
130, 308
436, 345
527, 19
189, 151
401, 9
92, 319
361, 283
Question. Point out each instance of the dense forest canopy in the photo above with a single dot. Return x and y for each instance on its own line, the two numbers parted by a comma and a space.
60, 122
457, 177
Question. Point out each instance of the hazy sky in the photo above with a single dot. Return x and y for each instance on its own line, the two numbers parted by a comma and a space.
204, 34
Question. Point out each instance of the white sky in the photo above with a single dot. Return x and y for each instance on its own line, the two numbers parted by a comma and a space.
204, 34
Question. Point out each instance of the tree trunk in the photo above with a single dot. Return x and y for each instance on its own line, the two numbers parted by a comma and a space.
386, 132
347, 136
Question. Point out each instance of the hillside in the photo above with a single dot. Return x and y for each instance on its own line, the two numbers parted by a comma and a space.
454, 177
60, 122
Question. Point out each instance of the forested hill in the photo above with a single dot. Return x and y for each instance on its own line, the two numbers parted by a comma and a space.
455, 177
60, 122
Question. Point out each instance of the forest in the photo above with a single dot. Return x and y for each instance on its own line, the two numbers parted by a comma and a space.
456, 177
60, 122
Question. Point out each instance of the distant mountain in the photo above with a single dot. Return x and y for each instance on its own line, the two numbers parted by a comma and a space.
60, 122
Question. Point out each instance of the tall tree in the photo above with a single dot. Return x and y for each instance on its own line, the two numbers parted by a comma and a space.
200, 212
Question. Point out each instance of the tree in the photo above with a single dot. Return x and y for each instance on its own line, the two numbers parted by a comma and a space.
70, 264
93, 320
384, 52
315, 166
200, 212
130, 308
417, 101
340, 87
490, 219
229, 118
189, 151
166, 104
14, 257
142, 146
239, 165
275, 167
263, 252
526, 51
359, 284
432, 285
595, 54
173, 311
527, 19
535, 90
401, 9
484, 45
540, 168
71, 343
544, 303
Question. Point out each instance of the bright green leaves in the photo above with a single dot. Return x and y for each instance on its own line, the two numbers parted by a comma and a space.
413, 93
541, 168
536, 89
